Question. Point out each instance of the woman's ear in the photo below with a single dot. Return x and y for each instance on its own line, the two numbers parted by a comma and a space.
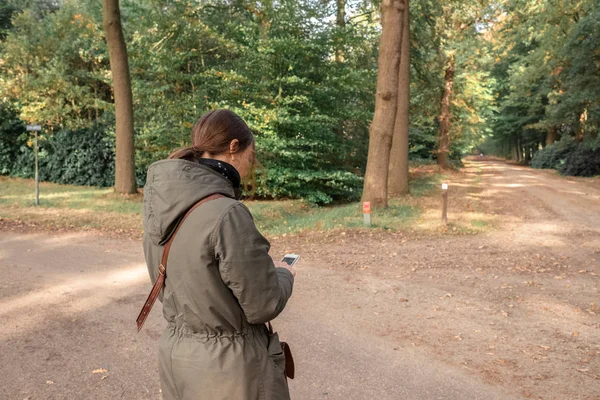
234, 146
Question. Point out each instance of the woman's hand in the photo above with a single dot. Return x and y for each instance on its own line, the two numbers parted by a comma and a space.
281, 264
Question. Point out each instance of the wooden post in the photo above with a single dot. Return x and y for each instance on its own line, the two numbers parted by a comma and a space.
367, 213
37, 178
445, 205
36, 129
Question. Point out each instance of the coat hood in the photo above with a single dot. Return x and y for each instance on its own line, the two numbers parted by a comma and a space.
173, 187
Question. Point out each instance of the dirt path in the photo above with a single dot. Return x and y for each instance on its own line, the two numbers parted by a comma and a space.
68, 306
511, 314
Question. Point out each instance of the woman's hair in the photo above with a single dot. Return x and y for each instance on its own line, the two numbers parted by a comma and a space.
213, 134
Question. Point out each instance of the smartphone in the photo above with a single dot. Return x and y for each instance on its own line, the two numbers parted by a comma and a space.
290, 259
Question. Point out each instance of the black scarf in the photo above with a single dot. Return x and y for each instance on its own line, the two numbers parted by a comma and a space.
228, 171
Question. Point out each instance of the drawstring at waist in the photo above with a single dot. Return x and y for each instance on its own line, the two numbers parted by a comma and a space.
186, 331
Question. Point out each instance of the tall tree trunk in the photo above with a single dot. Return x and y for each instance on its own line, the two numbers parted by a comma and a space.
341, 23
398, 172
382, 128
519, 151
528, 154
119, 66
551, 135
264, 20
580, 126
515, 151
339, 52
445, 116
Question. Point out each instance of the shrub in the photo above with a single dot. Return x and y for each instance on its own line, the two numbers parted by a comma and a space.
553, 156
12, 137
543, 158
583, 161
79, 157
82, 157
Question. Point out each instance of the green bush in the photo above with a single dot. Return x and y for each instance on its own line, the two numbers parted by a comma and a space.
317, 187
583, 161
12, 137
79, 157
83, 157
570, 157
554, 155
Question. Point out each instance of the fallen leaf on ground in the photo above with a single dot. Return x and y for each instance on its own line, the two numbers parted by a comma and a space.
99, 371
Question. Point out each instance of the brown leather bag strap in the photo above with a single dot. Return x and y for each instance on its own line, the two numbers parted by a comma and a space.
162, 268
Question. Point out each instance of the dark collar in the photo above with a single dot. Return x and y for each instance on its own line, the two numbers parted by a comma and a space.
227, 170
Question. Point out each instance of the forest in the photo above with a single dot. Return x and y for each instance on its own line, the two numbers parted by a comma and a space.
518, 79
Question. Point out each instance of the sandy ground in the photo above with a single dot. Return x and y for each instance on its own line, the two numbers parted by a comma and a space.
389, 315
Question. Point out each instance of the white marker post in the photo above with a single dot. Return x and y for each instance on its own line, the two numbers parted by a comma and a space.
445, 206
367, 213
36, 129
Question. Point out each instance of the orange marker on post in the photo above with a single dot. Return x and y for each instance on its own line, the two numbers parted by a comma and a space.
445, 204
367, 212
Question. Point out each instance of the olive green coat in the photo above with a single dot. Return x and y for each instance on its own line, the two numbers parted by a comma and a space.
221, 288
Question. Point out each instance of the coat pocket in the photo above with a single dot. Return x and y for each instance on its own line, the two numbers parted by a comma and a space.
276, 352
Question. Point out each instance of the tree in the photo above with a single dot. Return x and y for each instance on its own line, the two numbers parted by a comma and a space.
547, 73
278, 70
56, 67
398, 171
340, 22
119, 65
445, 115
465, 98
386, 104
551, 135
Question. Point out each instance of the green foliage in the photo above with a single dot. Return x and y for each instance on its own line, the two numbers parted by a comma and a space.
310, 115
11, 137
554, 155
55, 66
583, 161
81, 157
421, 142
570, 157
547, 72
274, 64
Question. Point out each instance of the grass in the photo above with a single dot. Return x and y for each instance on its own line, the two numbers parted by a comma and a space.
480, 223
275, 218
20, 193
67, 206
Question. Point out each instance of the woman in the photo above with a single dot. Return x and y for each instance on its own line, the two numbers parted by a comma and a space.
222, 286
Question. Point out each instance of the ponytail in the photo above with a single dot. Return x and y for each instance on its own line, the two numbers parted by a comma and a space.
187, 153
